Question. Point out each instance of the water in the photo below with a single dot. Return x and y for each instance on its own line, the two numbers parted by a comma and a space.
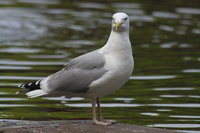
38, 36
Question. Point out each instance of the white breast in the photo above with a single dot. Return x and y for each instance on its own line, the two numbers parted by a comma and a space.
119, 70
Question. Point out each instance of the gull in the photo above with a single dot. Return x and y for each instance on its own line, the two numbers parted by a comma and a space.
94, 74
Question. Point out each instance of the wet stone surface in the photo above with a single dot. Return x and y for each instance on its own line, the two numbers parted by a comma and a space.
74, 126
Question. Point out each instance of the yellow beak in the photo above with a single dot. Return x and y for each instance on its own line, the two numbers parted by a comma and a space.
117, 24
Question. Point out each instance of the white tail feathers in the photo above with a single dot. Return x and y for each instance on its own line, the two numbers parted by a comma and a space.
36, 93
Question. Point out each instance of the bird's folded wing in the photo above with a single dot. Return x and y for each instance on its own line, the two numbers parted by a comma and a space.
78, 74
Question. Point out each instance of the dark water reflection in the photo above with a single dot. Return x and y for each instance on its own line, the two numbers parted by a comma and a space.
38, 37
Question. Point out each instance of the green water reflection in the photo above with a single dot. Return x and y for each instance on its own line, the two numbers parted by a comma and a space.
37, 38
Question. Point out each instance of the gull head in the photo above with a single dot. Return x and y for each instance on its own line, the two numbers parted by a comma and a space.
120, 22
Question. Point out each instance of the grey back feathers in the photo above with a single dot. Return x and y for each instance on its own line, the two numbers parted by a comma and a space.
78, 74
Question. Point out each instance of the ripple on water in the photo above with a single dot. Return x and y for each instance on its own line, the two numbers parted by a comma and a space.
9, 84
162, 14
152, 77
3, 93
63, 98
77, 43
185, 105
185, 45
176, 125
126, 5
92, 5
46, 2
14, 62
20, 50
14, 68
186, 10
20, 78
164, 110
16, 105
103, 105
184, 116
63, 56
12, 99
166, 27
194, 96
196, 31
6, 2
156, 99
172, 96
168, 45
174, 88
142, 18
124, 99
150, 114
13, 20
191, 71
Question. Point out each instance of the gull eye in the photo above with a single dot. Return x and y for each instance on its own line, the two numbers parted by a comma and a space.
125, 18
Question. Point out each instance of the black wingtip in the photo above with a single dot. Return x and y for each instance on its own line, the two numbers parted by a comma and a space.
21, 91
21, 86
29, 87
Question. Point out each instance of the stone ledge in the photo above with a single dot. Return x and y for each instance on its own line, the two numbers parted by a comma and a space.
73, 126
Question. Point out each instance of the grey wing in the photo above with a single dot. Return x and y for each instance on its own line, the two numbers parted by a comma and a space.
78, 74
